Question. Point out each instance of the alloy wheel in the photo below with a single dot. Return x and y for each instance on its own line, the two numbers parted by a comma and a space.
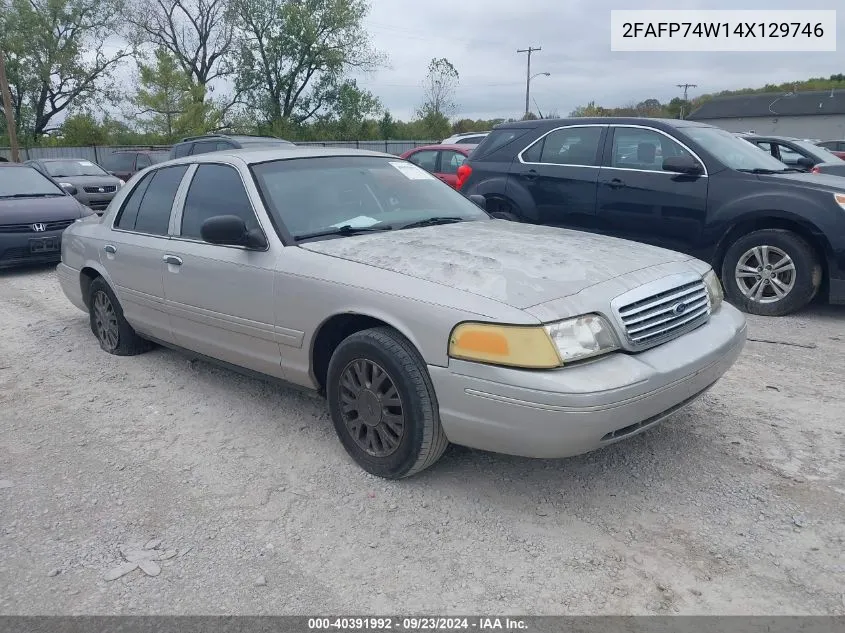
765, 274
371, 408
105, 321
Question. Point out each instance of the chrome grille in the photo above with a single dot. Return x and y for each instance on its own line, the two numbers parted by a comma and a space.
59, 225
103, 189
665, 315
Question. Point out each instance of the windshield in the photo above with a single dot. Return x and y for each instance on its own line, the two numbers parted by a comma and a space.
734, 152
67, 168
821, 153
26, 181
321, 194
159, 157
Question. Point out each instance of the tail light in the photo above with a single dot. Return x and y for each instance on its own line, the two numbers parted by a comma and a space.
464, 172
815, 170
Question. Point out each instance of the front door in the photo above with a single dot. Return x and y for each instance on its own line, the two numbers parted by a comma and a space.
447, 170
559, 171
133, 254
221, 298
638, 200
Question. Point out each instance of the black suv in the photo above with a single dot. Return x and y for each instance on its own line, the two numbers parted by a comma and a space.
776, 236
217, 142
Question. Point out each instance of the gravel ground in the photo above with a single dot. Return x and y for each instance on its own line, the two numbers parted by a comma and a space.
247, 504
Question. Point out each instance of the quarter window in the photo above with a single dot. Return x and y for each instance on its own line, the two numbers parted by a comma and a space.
636, 148
215, 190
572, 146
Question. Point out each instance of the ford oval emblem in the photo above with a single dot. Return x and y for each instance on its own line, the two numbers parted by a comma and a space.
680, 308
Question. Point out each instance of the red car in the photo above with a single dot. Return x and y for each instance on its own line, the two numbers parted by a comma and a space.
441, 160
836, 147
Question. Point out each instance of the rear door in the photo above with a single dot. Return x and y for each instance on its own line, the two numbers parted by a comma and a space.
449, 161
133, 254
560, 172
221, 298
639, 201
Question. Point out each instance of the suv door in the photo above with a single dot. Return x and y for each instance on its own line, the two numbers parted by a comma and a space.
133, 253
220, 298
560, 171
638, 200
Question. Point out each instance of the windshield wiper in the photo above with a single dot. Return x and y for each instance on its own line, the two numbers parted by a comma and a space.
346, 229
761, 170
32, 195
443, 219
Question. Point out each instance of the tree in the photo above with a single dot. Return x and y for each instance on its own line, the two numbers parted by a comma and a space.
294, 54
57, 55
199, 34
351, 106
386, 126
439, 87
163, 95
83, 129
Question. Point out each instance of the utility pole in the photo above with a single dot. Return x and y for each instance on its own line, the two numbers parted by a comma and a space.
6, 94
528, 50
686, 87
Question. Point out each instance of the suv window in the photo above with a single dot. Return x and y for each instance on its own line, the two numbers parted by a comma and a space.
182, 149
149, 205
497, 139
427, 159
450, 160
636, 148
203, 147
120, 162
469, 140
143, 161
572, 146
215, 190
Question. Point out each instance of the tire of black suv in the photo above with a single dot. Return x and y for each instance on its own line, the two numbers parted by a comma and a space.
771, 272
108, 324
383, 404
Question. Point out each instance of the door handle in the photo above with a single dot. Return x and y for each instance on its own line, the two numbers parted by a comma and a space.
616, 183
531, 174
173, 260
111, 250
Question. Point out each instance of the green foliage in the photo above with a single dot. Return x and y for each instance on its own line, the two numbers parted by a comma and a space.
83, 129
439, 87
56, 56
164, 97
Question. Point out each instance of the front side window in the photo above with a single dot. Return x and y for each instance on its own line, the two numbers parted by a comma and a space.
637, 148
427, 159
572, 146
450, 160
310, 195
149, 205
215, 190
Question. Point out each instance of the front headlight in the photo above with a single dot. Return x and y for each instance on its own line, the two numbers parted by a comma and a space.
714, 289
840, 199
122, 182
533, 347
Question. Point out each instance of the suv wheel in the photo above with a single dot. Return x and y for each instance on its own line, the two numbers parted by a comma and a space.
771, 272
503, 210
383, 404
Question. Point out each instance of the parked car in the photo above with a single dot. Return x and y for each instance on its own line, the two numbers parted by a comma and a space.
798, 154
126, 163
776, 237
441, 160
423, 320
34, 211
469, 138
837, 148
218, 142
89, 183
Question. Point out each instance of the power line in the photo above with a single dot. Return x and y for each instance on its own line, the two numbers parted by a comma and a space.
686, 87
528, 50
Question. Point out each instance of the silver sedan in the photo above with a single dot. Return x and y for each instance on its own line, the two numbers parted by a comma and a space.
422, 319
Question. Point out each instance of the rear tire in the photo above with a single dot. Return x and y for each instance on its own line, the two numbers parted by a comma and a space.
771, 272
383, 404
503, 210
108, 324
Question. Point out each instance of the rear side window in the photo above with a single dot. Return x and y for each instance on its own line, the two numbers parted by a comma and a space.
204, 147
572, 146
215, 190
149, 205
497, 139
470, 140
181, 150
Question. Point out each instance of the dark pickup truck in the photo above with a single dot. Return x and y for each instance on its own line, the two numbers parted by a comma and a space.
776, 236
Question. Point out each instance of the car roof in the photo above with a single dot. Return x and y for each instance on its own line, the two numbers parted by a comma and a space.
451, 146
266, 154
63, 158
551, 123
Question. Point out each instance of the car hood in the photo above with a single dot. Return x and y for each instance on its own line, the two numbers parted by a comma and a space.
819, 182
24, 210
521, 265
90, 181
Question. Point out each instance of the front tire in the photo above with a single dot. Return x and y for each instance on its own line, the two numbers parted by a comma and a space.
108, 324
383, 404
771, 272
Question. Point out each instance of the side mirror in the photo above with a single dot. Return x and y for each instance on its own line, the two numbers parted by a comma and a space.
480, 200
69, 188
230, 230
805, 162
683, 165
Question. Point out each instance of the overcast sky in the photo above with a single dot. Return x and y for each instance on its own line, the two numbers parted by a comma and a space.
480, 38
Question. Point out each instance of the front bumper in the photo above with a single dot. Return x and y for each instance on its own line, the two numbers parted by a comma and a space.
97, 202
576, 409
15, 249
